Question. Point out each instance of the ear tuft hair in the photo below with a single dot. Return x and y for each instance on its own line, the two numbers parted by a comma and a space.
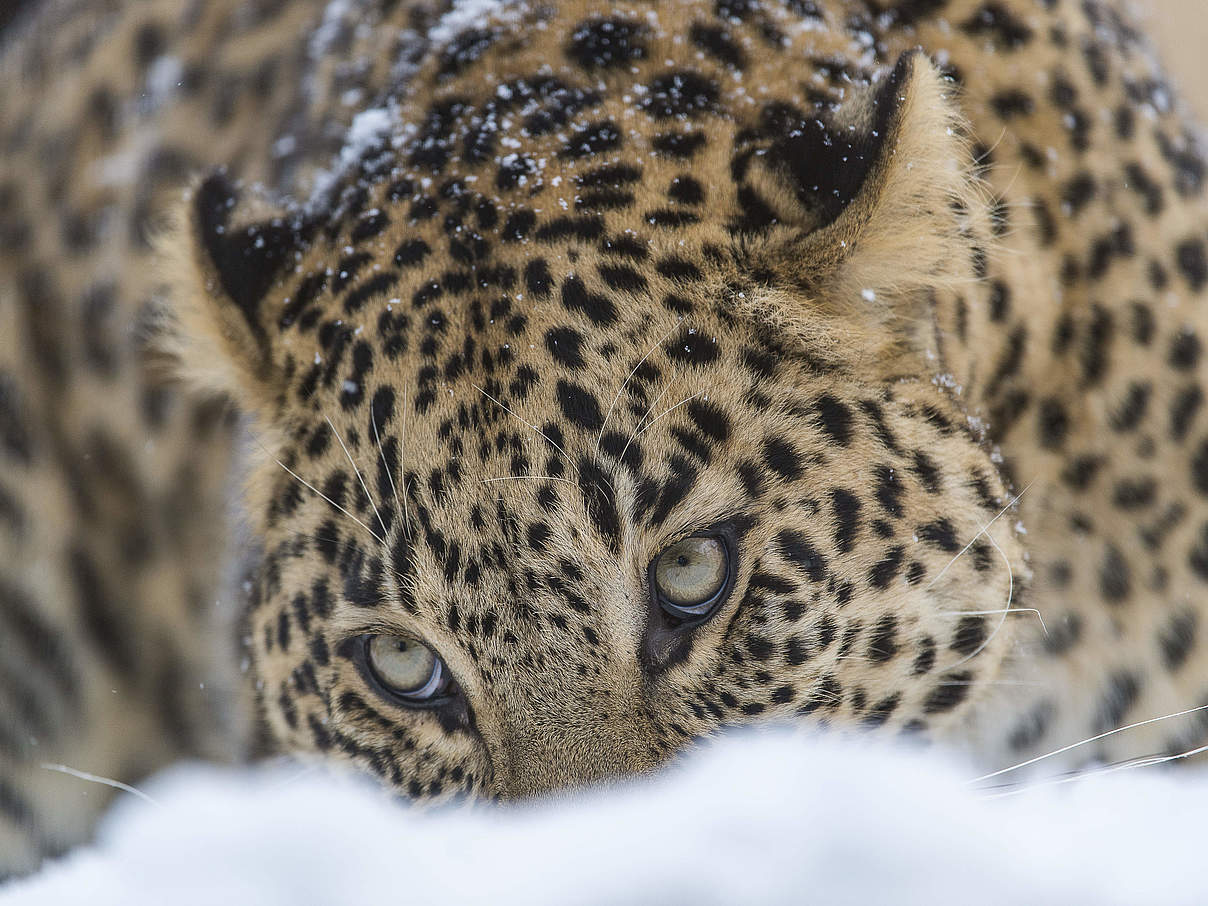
877, 208
221, 261
245, 260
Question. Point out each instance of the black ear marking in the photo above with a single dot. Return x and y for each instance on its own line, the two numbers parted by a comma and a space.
246, 260
825, 160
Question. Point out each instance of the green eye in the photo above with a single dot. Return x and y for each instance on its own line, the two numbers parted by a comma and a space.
691, 576
406, 669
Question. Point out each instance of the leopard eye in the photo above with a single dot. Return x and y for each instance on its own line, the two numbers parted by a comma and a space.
406, 669
690, 577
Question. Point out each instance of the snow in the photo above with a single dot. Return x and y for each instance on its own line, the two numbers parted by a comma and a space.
767, 818
464, 14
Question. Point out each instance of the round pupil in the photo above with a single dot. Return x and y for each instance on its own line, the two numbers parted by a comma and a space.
402, 664
692, 571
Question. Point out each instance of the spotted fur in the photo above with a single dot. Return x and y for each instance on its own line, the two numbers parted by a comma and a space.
904, 296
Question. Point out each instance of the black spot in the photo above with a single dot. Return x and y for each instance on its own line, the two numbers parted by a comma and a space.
883, 644
579, 406
518, 225
514, 170
1193, 263
463, 50
565, 344
1184, 350
1032, 727
1052, 423
411, 253
583, 229
1183, 409
369, 225
1177, 639
537, 278
593, 139
576, 297
924, 660
710, 419
1134, 493
680, 93
940, 533
690, 347
783, 458
15, 440
1012, 103
884, 571
799, 551
1123, 690
1115, 579
686, 190
377, 285
952, 689
600, 501
969, 636
718, 43
101, 613
149, 43
846, 506
927, 471
995, 21
889, 490
1132, 408
680, 145
622, 278
607, 43
835, 418
1197, 557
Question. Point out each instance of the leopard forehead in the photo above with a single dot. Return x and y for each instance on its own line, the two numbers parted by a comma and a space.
539, 327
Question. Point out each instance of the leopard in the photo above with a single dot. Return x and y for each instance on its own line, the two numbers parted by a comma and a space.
503, 398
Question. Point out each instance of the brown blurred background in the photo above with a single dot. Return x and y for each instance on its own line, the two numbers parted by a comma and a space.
1180, 28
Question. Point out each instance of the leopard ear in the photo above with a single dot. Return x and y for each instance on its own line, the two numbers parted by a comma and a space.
222, 262
874, 207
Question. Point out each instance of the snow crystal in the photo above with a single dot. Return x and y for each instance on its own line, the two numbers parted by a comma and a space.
463, 15
369, 127
760, 818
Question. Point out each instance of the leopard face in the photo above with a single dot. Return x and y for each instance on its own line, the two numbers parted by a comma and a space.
592, 411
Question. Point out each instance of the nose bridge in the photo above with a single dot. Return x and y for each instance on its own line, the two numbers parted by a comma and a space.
542, 743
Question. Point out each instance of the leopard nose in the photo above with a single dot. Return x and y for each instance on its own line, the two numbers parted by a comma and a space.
535, 767
542, 755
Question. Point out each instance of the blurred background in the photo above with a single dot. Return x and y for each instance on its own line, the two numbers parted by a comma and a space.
1180, 28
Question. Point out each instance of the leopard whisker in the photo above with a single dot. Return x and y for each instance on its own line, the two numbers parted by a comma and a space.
964, 550
401, 506
526, 478
308, 485
357, 472
645, 415
984, 613
666, 412
1010, 596
1145, 761
527, 424
1082, 742
96, 778
625, 382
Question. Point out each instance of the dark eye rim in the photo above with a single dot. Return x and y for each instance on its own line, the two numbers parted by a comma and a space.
448, 690
690, 619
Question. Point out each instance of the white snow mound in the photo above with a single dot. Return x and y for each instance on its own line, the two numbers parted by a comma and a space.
765, 818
